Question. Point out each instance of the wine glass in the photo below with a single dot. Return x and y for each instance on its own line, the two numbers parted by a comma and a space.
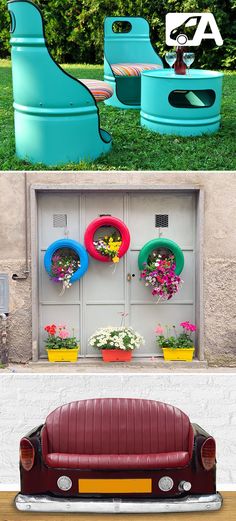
170, 58
188, 58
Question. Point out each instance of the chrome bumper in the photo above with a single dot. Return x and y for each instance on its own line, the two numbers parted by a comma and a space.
117, 506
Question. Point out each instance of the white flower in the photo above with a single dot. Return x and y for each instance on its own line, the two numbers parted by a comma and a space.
120, 337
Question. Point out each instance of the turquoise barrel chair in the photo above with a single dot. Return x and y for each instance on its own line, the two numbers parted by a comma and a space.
127, 52
56, 115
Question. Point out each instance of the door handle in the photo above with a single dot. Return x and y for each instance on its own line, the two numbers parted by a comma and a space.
130, 276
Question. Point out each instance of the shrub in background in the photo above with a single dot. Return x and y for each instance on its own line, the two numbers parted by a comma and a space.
74, 29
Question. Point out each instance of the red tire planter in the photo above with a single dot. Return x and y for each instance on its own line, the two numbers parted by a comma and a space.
106, 220
116, 355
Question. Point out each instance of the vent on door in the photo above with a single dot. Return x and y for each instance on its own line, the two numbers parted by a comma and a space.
59, 220
161, 221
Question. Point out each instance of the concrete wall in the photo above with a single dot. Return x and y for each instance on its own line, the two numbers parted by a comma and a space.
219, 248
25, 400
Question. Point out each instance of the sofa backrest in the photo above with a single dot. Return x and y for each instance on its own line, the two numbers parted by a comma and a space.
132, 46
33, 65
117, 426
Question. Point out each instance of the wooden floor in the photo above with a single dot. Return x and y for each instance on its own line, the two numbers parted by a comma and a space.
9, 513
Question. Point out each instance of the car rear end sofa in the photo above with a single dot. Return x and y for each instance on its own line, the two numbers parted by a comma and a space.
117, 455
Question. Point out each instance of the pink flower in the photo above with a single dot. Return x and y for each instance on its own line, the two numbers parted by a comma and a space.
161, 276
159, 330
184, 324
188, 326
63, 334
62, 326
192, 327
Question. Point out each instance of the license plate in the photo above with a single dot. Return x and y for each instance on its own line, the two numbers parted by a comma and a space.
114, 486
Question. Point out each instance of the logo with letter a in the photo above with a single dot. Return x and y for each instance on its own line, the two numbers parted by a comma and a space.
191, 28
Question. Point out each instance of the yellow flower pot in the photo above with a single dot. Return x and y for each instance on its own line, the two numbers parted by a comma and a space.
184, 354
63, 355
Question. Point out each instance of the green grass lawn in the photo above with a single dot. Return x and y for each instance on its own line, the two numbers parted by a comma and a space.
134, 148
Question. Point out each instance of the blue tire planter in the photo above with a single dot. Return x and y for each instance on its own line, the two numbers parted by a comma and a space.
73, 245
154, 244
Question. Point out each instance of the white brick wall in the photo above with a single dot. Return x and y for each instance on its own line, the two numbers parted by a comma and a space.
209, 400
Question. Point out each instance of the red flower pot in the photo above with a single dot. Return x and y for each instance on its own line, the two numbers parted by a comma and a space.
116, 355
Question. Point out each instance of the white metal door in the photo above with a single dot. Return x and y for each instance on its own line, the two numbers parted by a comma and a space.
106, 291
144, 313
58, 217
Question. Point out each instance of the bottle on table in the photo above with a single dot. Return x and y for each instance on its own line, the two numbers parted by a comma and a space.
180, 67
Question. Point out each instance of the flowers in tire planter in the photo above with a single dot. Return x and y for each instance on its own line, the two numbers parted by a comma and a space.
159, 274
60, 346
177, 346
116, 342
97, 241
109, 246
65, 263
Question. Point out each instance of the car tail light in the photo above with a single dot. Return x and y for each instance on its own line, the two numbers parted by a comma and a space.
208, 453
27, 454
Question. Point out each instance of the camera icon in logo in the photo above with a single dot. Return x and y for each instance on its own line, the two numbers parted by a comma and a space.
190, 29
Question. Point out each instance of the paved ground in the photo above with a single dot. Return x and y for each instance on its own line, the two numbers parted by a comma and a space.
140, 366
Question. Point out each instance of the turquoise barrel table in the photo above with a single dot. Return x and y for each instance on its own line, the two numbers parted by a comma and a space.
181, 105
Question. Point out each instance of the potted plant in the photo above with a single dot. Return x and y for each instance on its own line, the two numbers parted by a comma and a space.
116, 343
109, 246
59, 345
177, 346
159, 273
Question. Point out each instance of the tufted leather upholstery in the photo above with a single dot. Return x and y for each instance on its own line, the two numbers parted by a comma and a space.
117, 433
118, 461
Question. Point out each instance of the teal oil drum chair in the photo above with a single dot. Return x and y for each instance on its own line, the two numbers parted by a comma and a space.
56, 115
127, 51
185, 105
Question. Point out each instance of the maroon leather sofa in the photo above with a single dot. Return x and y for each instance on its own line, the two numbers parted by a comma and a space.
117, 455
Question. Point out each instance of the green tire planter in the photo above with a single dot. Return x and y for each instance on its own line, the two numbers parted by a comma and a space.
155, 244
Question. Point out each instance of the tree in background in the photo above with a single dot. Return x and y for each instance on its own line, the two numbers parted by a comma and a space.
74, 29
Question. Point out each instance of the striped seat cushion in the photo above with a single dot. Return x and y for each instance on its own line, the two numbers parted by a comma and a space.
100, 89
133, 69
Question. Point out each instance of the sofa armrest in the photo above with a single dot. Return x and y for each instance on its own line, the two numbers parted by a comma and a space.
200, 436
34, 432
35, 439
199, 431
